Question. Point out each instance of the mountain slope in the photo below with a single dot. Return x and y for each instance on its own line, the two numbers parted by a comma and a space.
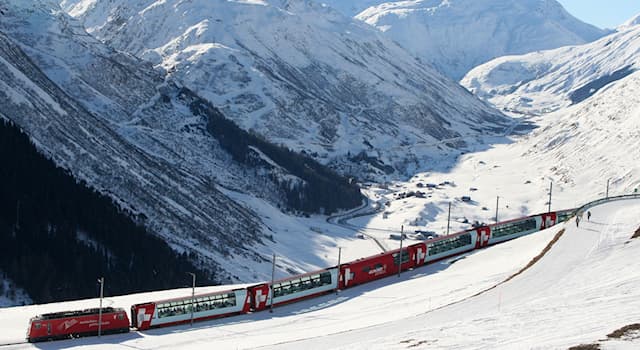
633, 21
591, 141
299, 74
116, 123
147, 184
57, 234
457, 35
547, 81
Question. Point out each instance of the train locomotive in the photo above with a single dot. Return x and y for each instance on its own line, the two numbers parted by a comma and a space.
75, 324
259, 297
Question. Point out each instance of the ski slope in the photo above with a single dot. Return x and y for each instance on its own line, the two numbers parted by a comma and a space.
585, 287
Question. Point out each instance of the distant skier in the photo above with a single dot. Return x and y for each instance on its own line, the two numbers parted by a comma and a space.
588, 216
577, 220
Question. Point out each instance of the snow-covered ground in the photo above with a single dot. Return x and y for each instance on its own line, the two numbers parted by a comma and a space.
585, 287
544, 81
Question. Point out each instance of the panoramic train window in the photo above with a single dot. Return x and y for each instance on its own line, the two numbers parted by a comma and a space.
449, 244
300, 284
211, 302
513, 228
405, 257
564, 216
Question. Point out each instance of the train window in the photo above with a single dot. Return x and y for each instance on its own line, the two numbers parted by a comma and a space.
325, 278
120, 317
366, 269
449, 244
405, 257
514, 228
38, 325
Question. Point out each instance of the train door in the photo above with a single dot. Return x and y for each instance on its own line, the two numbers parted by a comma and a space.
259, 296
548, 220
421, 254
484, 234
48, 328
347, 276
142, 315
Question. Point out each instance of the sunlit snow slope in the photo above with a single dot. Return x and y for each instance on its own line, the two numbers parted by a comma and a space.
585, 287
457, 35
550, 80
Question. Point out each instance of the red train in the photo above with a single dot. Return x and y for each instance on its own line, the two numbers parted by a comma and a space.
300, 287
261, 296
74, 324
176, 311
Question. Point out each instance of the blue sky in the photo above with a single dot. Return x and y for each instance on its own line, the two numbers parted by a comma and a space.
602, 13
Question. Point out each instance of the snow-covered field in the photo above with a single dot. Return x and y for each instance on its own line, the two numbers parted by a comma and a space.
585, 287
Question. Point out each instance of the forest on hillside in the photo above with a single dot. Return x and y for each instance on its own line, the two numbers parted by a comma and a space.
322, 191
58, 236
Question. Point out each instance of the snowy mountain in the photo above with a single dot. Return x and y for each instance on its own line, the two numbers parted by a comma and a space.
546, 81
353, 7
139, 179
457, 35
634, 21
116, 123
302, 75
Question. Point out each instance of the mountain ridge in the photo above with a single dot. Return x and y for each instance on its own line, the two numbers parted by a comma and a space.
351, 90
549, 80
457, 35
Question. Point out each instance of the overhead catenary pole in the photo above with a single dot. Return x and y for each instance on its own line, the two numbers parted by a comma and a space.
400, 252
273, 273
497, 203
193, 293
607, 194
449, 219
338, 284
550, 191
101, 281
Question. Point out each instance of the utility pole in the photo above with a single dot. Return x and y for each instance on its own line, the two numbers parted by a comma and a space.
497, 202
193, 293
607, 194
449, 219
101, 281
338, 284
550, 191
400, 252
273, 273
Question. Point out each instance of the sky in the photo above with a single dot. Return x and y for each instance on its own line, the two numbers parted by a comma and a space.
601, 13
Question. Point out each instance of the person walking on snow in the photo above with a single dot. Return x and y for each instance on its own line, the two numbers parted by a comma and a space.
588, 216
577, 220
